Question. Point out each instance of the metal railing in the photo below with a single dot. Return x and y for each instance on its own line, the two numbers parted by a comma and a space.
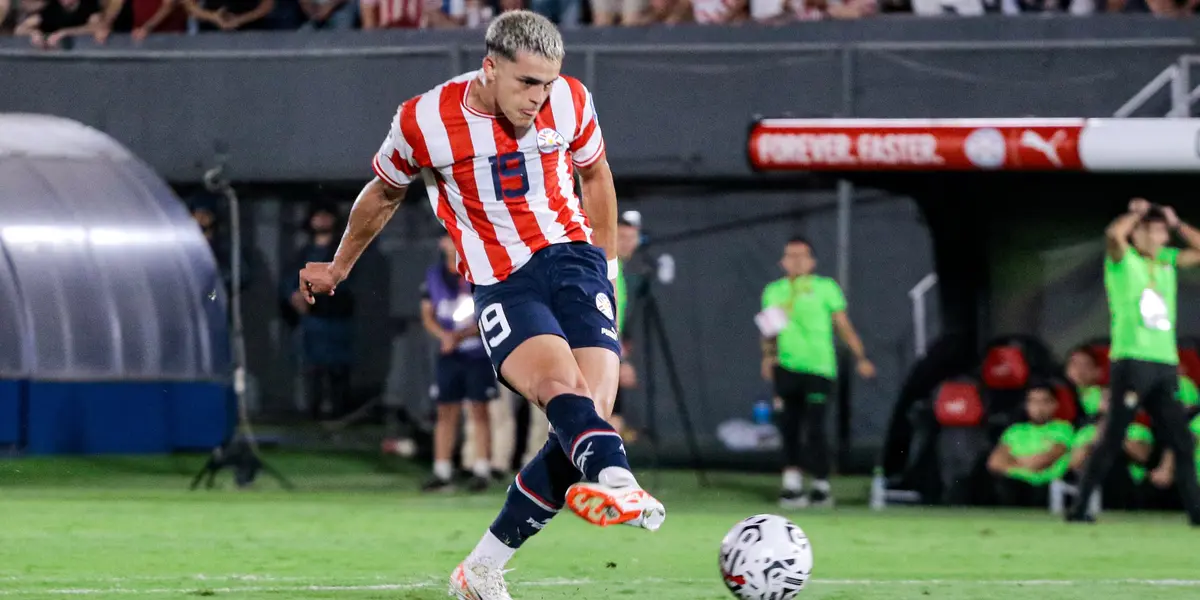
920, 324
1179, 79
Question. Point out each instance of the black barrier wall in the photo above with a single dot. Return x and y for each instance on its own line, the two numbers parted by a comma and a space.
673, 101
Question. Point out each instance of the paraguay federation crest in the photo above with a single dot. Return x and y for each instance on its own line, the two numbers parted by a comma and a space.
549, 141
604, 305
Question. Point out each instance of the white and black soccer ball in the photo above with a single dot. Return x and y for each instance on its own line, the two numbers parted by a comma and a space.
766, 557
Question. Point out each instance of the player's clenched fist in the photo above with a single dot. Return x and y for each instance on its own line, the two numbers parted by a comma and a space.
318, 278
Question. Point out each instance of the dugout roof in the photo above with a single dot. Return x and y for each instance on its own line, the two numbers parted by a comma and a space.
103, 273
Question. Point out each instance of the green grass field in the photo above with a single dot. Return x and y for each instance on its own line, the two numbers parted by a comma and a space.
128, 528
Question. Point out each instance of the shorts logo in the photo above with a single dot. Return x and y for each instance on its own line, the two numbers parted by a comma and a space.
604, 305
550, 141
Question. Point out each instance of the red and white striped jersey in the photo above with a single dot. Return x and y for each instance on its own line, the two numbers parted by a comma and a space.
500, 197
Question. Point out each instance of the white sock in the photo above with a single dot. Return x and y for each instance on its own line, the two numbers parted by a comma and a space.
793, 481
821, 485
442, 469
482, 469
491, 552
616, 477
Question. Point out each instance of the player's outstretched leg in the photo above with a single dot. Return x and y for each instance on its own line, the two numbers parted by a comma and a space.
609, 493
534, 497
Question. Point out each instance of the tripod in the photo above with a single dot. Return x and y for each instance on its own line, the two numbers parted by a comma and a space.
656, 337
239, 450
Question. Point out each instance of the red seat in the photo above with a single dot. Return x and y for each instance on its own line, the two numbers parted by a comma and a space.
958, 404
1142, 417
1067, 409
1100, 353
1189, 363
1005, 368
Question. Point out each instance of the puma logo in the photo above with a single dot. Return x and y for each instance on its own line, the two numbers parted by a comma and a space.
1049, 148
581, 460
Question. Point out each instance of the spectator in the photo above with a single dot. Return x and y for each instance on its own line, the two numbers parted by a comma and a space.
58, 20
329, 14
1162, 8
564, 13
327, 325
781, 11
151, 16
391, 14
446, 14
204, 211
630, 13
1084, 373
230, 15
719, 12
7, 17
1121, 483
1031, 454
670, 12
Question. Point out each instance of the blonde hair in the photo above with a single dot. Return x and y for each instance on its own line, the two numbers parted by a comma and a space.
519, 31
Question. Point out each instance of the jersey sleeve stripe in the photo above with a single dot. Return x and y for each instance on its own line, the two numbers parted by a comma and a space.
585, 137
593, 159
579, 95
382, 173
410, 127
463, 169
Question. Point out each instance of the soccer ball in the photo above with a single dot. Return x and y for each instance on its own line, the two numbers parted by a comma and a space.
766, 557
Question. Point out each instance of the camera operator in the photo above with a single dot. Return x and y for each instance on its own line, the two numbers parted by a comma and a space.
799, 316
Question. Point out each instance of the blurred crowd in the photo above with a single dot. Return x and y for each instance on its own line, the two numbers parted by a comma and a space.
48, 23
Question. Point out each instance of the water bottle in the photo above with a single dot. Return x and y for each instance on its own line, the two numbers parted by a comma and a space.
762, 412
878, 490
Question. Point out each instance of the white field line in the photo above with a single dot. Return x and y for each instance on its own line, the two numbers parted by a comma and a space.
280, 584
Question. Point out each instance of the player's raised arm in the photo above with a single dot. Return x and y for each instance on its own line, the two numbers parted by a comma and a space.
372, 210
394, 169
1117, 234
1190, 256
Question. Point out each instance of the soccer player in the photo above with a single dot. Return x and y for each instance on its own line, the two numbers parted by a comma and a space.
800, 358
463, 370
1139, 276
496, 149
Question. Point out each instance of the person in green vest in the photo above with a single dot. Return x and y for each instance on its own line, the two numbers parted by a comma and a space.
1084, 374
629, 237
1140, 281
800, 313
1121, 485
1033, 453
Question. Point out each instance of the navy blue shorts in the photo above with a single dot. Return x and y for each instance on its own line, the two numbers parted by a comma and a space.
465, 377
563, 290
